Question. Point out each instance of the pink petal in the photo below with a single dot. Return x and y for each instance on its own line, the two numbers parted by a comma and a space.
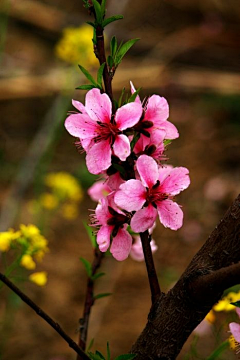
157, 136
140, 145
238, 311
131, 196
148, 170
143, 219
170, 129
235, 330
121, 147
114, 181
98, 106
121, 245
78, 105
157, 109
99, 157
98, 190
176, 181
103, 237
170, 214
164, 171
133, 90
128, 115
82, 126
102, 213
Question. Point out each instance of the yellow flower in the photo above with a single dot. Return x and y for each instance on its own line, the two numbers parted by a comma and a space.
76, 46
48, 201
27, 262
224, 303
29, 230
69, 211
6, 238
39, 278
232, 342
64, 185
210, 317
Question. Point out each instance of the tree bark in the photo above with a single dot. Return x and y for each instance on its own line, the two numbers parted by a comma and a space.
175, 315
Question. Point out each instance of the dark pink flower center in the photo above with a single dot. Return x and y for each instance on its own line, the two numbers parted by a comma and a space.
106, 131
154, 194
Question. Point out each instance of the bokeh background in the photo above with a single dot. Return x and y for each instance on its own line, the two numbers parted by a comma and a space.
189, 52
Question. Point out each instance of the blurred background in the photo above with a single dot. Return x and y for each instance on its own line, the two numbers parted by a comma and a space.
189, 52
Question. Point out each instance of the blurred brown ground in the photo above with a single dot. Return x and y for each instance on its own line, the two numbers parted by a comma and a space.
188, 53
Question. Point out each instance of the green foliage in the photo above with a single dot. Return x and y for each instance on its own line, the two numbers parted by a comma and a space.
111, 19
99, 356
100, 75
237, 303
94, 84
126, 357
96, 356
215, 355
123, 49
98, 275
91, 236
134, 140
90, 345
102, 295
134, 95
87, 265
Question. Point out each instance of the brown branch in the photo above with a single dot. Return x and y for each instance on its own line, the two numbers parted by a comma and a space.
44, 316
89, 300
176, 314
152, 276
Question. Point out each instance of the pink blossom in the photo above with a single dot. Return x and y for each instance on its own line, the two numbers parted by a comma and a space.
235, 328
153, 194
112, 223
98, 190
154, 122
137, 250
99, 134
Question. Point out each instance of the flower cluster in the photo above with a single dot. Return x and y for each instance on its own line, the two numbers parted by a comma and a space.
32, 247
64, 194
127, 148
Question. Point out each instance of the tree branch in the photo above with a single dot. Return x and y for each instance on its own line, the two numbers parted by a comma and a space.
89, 300
152, 276
176, 314
44, 316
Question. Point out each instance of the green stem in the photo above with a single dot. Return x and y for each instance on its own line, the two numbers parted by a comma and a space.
215, 355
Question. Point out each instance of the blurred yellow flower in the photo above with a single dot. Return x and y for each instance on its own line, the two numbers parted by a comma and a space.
232, 342
29, 231
6, 238
210, 317
48, 201
69, 211
27, 262
224, 303
76, 46
39, 278
64, 186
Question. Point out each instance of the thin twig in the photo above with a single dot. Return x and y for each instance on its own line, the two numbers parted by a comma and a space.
89, 300
43, 315
152, 275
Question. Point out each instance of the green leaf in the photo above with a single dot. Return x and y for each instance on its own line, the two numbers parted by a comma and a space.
126, 357
98, 12
85, 87
88, 75
100, 355
113, 46
87, 265
97, 276
91, 236
134, 140
167, 142
110, 61
215, 355
236, 303
111, 19
134, 95
103, 8
102, 295
121, 97
90, 345
90, 23
100, 74
108, 352
95, 356
124, 49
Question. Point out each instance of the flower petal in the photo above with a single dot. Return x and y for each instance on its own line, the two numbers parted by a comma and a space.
170, 214
99, 157
128, 115
98, 106
121, 245
170, 129
103, 237
133, 90
143, 219
102, 213
98, 190
176, 181
121, 147
235, 330
131, 196
79, 106
164, 171
157, 109
148, 170
81, 125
